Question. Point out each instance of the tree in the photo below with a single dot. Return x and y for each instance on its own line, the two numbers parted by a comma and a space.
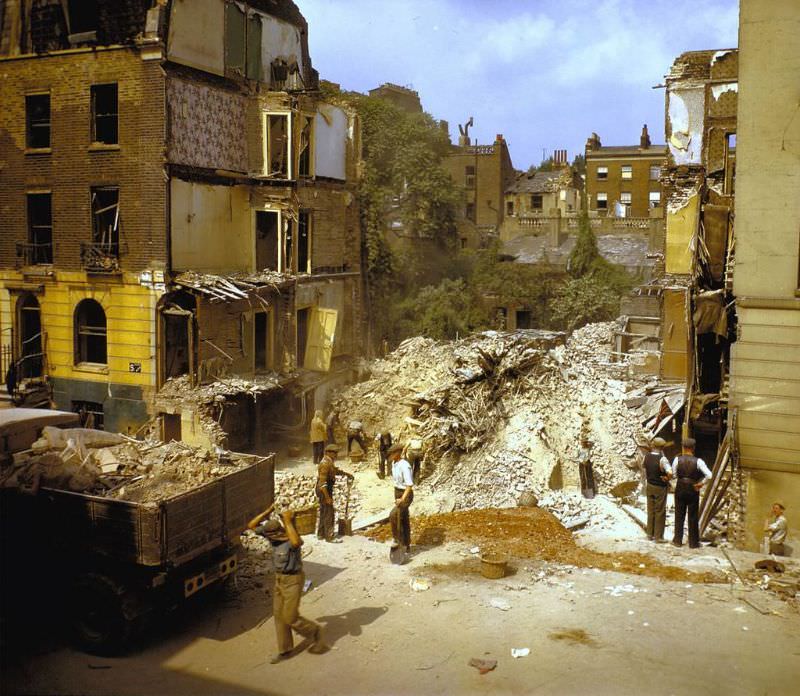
582, 301
585, 256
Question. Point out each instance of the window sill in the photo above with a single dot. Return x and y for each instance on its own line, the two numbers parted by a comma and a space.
103, 147
93, 368
38, 150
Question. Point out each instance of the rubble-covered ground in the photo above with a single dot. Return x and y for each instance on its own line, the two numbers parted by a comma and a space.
503, 413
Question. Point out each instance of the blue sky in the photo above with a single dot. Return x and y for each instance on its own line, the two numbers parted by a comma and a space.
545, 73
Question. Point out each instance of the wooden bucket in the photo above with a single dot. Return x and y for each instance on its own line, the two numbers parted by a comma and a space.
493, 566
305, 520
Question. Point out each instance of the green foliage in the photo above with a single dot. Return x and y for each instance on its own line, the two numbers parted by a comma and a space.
584, 300
585, 256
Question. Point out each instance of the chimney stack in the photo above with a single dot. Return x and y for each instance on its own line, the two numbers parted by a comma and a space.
593, 142
644, 141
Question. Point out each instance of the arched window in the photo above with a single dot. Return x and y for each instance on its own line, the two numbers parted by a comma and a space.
90, 333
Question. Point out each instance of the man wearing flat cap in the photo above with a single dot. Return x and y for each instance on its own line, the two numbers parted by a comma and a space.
289, 581
326, 478
403, 479
690, 474
657, 472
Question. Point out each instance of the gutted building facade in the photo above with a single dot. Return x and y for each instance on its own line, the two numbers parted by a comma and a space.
179, 206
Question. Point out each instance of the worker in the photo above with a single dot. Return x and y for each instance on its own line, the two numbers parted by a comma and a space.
326, 477
657, 472
317, 434
777, 529
585, 471
690, 474
413, 454
403, 496
355, 433
330, 424
384, 440
289, 582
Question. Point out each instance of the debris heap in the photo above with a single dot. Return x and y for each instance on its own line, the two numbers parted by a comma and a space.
503, 413
296, 491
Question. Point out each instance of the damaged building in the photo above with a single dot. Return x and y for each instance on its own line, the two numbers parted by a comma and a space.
181, 213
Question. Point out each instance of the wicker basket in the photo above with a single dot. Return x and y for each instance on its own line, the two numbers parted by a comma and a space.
305, 520
493, 567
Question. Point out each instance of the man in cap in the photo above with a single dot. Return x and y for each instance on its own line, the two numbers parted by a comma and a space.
326, 478
403, 480
384, 440
657, 472
777, 529
690, 473
289, 582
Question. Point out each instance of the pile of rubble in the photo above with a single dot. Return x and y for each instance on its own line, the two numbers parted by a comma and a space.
296, 491
115, 466
504, 413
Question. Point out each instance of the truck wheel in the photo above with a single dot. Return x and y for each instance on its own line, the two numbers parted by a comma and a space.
98, 621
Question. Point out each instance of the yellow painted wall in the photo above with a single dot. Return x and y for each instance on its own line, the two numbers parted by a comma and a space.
130, 321
763, 489
681, 225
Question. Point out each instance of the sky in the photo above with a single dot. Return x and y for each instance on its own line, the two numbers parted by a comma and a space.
544, 73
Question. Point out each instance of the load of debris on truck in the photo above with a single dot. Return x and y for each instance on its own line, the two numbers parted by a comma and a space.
502, 413
115, 466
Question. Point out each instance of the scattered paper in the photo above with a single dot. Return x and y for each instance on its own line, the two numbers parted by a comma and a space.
475, 549
419, 584
740, 610
499, 603
520, 652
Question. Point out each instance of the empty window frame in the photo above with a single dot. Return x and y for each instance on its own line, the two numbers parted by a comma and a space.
469, 176
277, 139
655, 199
537, 202
627, 171
625, 198
90, 333
469, 212
105, 114
509, 207
304, 242
655, 172
306, 140
730, 163
253, 67
40, 228
83, 16
602, 172
267, 225
37, 121
235, 40
105, 220
602, 201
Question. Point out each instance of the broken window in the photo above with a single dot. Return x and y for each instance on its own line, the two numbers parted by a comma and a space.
304, 156
37, 121
266, 240
536, 201
470, 212
288, 247
655, 173
509, 207
627, 171
278, 137
602, 172
90, 333
234, 39
602, 201
469, 176
40, 228
90, 412
254, 47
304, 242
105, 220
730, 163
105, 116
655, 199
262, 347
82, 16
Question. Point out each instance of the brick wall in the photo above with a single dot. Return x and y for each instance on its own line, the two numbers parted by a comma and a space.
71, 167
639, 185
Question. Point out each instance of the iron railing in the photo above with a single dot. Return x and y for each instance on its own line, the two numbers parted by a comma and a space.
100, 258
30, 254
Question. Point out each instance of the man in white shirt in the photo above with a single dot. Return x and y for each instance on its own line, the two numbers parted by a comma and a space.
777, 530
403, 480
690, 474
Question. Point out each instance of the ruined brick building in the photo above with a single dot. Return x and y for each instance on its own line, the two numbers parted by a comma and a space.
178, 209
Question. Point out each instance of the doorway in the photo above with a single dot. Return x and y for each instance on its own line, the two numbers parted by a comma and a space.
302, 334
266, 240
29, 319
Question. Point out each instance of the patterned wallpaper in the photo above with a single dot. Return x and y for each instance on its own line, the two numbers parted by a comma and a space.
207, 126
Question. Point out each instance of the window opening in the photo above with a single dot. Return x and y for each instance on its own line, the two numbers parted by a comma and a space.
509, 207
304, 158
469, 176
105, 121
31, 362
82, 16
266, 240
470, 212
90, 333
37, 120
655, 199
105, 220
302, 334
602, 172
261, 338
304, 242
278, 145
536, 201
730, 163
655, 173
40, 228
90, 412
602, 201
627, 171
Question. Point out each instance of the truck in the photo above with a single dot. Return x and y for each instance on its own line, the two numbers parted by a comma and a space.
111, 565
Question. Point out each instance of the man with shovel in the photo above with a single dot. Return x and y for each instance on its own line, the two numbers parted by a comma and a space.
403, 480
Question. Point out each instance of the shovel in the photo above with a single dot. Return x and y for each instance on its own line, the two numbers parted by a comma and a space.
345, 523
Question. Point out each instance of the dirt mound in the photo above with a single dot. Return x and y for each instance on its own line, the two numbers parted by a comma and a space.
531, 533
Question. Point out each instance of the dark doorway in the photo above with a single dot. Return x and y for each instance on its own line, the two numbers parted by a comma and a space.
262, 341
302, 334
177, 326
29, 318
266, 240
91, 414
171, 427
304, 242
524, 319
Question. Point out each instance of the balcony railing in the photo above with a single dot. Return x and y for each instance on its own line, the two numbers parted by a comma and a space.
99, 258
30, 254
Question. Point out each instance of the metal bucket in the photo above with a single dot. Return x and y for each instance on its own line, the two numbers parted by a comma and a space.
493, 566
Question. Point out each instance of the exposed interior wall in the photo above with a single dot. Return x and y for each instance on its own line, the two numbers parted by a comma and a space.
681, 226
763, 489
211, 228
686, 114
330, 147
280, 39
675, 335
196, 34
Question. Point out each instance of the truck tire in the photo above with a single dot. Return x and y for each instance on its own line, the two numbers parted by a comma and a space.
99, 622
